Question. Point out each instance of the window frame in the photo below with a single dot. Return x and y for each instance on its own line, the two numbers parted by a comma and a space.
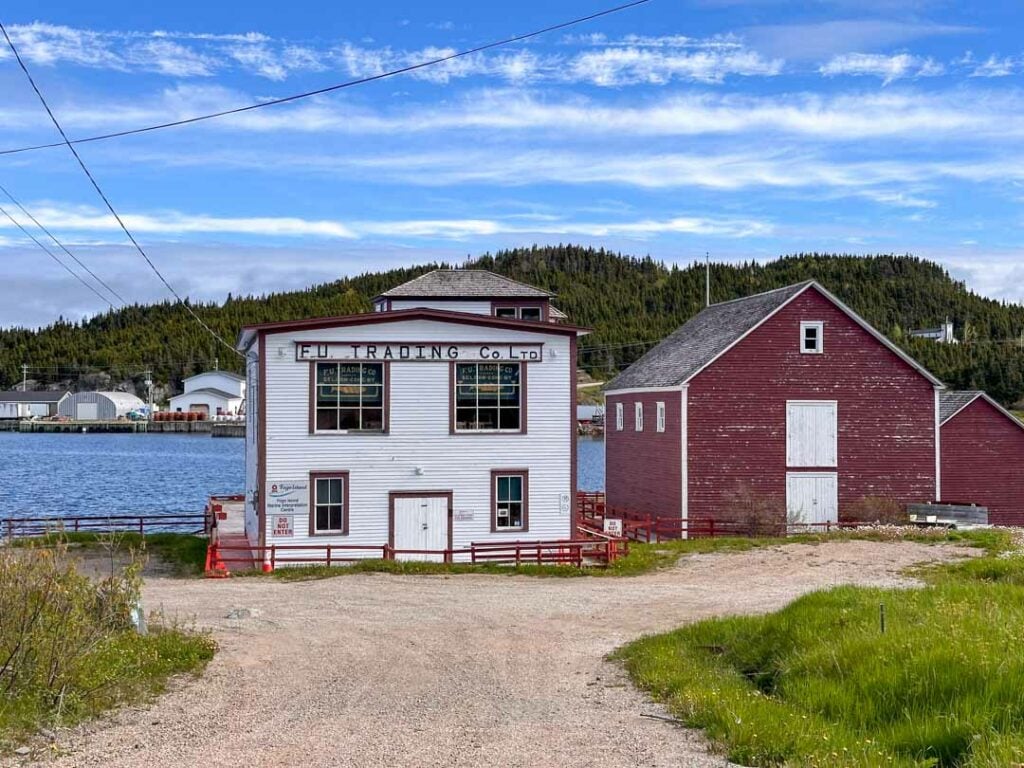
819, 327
453, 399
385, 395
525, 501
638, 416
517, 312
660, 416
339, 474
619, 417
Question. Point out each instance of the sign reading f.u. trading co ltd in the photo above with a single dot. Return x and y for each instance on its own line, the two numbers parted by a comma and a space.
429, 352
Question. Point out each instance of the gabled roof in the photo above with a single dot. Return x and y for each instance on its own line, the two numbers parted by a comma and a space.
209, 391
951, 403
228, 374
464, 284
249, 332
712, 332
37, 396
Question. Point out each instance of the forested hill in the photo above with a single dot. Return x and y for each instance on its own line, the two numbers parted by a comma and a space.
629, 303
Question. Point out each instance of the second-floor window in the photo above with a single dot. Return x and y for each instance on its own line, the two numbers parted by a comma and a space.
350, 397
488, 397
638, 416
520, 313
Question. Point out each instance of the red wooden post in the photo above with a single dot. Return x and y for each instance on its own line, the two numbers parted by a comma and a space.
273, 556
328, 555
711, 528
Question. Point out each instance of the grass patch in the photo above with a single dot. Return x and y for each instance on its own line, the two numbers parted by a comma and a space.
642, 558
185, 553
69, 648
819, 684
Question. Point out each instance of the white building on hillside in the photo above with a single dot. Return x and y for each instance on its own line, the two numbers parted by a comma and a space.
433, 425
213, 393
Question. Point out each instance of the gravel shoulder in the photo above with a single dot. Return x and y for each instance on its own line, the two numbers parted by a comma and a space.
381, 670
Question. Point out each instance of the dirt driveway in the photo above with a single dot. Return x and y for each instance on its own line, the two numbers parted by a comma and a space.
378, 670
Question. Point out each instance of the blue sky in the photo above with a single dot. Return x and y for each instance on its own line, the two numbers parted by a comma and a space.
747, 129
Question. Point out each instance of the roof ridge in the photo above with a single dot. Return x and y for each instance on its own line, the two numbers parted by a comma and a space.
803, 284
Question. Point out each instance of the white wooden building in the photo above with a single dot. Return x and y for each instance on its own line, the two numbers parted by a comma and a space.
38, 404
430, 426
212, 393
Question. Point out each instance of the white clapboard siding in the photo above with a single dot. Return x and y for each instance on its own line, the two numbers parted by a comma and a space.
811, 433
479, 307
419, 454
812, 497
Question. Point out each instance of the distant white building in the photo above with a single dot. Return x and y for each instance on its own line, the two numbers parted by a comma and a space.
99, 406
943, 334
213, 393
27, 405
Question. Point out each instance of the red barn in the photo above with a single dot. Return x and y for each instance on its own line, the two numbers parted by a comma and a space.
982, 456
782, 403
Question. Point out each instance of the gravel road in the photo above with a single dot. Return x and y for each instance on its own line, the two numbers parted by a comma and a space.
379, 670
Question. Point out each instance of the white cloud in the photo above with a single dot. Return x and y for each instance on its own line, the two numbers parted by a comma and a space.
623, 66
887, 68
174, 224
169, 58
994, 66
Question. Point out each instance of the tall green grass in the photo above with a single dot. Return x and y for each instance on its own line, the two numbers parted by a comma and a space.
820, 684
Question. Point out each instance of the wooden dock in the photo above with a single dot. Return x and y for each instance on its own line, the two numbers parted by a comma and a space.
213, 428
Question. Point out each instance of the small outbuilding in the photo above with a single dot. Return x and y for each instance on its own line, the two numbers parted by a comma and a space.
33, 404
213, 393
99, 406
982, 456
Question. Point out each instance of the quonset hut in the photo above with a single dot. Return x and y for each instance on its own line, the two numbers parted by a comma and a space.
99, 406
443, 418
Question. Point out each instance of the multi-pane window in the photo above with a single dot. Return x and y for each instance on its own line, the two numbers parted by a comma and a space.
812, 338
509, 501
488, 397
350, 397
529, 313
618, 417
638, 416
520, 313
329, 505
661, 416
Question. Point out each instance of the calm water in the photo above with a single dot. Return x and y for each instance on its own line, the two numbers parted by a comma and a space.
72, 474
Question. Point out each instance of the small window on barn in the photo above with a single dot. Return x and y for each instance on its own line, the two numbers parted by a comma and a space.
812, 338
530, 313
505, 312
330, 504
661, 417
618, 417
638, 416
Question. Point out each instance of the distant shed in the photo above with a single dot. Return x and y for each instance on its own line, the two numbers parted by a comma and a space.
982, 447
26, 405
99, 406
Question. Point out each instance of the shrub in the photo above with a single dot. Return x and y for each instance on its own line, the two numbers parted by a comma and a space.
753, 512
68, 644
876, 509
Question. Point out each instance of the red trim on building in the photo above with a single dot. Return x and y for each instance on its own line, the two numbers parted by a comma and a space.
313, 477
495, 474
261, 459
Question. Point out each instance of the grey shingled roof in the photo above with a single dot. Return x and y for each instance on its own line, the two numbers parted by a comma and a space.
38, 396
703, 338
210, 391
952, 402
229, 374
465, 283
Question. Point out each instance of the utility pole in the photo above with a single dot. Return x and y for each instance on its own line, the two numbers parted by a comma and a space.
149, 387
24, 377
707, 279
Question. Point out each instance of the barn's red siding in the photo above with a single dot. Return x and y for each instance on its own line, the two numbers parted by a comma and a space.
983, 462
643, 471
737, 415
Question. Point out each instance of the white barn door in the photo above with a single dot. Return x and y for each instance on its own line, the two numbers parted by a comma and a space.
812, 498
421, 523
811, 433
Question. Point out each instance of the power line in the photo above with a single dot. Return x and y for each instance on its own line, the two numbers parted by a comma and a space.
337, 86
78, 261
99, 191
53, 256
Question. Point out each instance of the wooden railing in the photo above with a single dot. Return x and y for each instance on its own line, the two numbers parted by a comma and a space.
21, 527
574, 552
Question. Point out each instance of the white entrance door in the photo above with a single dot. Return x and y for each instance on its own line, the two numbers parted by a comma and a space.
421, 523
812, 497
87, 411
